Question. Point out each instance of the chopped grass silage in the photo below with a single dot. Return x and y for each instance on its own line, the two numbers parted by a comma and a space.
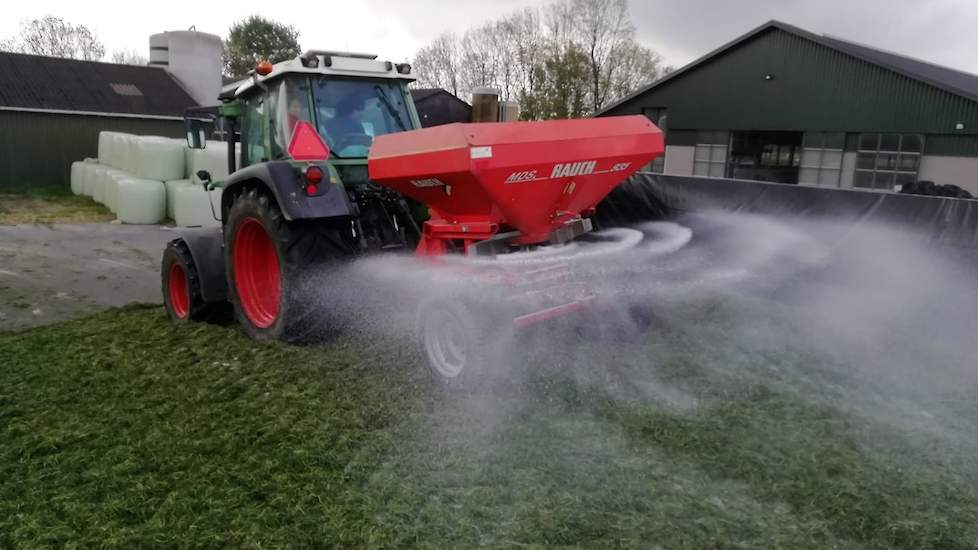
45, 205
122, 430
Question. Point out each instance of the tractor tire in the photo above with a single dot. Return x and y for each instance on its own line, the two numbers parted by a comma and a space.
462, 345
181, 287
268, 261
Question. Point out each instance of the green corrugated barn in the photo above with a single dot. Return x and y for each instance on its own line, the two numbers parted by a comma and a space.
786, 105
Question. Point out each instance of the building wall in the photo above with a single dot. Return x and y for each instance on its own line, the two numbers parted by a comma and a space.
38, 148
960, 171
679, 160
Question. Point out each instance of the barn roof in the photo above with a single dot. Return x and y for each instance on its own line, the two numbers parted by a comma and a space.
35, 82
957, 82
421, 94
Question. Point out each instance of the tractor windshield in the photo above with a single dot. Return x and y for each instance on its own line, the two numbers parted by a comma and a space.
351, 112
347, 112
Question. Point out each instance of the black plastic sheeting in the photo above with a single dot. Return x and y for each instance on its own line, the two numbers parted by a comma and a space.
944, 221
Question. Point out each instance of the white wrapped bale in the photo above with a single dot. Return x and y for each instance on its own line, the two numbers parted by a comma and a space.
129, 151
77, 177
171, 194
158, 158
140, 201
192, 206
106, 146
99, 183
111, 192
116, 150
88, 178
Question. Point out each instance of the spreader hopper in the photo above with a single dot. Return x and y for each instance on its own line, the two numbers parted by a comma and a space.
528, 177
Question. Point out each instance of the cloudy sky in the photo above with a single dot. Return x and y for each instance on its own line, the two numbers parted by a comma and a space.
942, 31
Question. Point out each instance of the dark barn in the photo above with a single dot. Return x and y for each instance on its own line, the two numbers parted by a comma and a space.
52, 109
436, 107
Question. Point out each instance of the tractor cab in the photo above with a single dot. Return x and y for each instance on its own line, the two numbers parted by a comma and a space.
347, 98
304, 128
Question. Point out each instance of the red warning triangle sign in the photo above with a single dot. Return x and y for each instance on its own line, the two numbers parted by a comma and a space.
306, 145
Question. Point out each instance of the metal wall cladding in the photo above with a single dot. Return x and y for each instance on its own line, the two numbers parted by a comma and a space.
38, 148
811, 88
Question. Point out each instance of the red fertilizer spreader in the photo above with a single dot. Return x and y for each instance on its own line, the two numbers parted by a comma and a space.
494, 188
511, 184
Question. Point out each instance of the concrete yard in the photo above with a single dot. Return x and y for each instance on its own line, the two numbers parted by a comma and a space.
51, 272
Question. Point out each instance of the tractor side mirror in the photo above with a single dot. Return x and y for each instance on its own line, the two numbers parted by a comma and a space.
196, 133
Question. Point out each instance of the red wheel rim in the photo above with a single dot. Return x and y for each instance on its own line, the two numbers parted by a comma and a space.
256, 273
179, 291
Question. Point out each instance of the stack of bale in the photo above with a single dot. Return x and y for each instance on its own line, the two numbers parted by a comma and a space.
146, 179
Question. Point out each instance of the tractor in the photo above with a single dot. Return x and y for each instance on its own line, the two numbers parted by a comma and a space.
334, 165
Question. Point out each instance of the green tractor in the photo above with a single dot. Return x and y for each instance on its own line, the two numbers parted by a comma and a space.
289, 202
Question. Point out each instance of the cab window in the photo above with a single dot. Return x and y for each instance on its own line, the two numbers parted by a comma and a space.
288, 102
252, 129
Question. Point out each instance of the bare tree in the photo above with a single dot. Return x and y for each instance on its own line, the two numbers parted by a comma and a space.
8, 45
482, 58
523, 50
558, 26
603, 30
497, 55
53, 36
439, 64
536, 56
129, 57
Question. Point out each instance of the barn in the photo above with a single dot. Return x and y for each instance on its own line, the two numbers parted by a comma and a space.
436, 106
783, 104
52, 109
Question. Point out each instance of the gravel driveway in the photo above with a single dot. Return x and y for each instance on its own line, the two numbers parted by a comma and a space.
54, 272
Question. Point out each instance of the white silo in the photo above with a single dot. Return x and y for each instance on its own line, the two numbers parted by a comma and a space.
194, 58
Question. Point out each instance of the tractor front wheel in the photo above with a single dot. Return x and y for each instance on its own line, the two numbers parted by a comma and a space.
181, 286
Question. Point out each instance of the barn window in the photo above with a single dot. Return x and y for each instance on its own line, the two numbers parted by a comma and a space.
710, 154
125, 89
885, 161
821, 158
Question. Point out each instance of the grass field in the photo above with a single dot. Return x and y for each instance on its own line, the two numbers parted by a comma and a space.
45, 204
122, 430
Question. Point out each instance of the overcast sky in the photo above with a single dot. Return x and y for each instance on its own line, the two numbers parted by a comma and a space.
941, 31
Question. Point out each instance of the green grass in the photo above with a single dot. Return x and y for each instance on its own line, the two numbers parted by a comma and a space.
122, 430
48, 204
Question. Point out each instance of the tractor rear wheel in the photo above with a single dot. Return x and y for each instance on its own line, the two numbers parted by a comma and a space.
181, 286
268, 261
